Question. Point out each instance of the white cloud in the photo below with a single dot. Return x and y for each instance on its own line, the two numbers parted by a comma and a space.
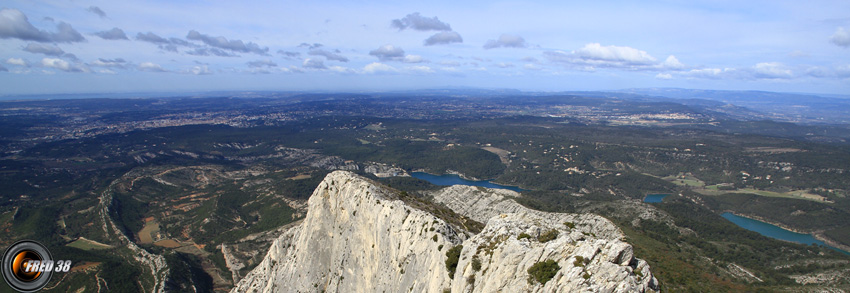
63, 65
595, 53
116, 63
672, 63
841, 37
200, 70
313, 64
151, 67
376, 67
17, 61
771, 70
341, 69
506, 41
413, 59
388, 53
504, 65
705, 73
664, 76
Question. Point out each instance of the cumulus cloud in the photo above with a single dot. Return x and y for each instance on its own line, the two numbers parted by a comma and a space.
771, 70
210, 52
504, 65
376, 67
710, 73
262, 63
113, 34
595, 55
340, 69
388, 53
841, 37
224, 43
672, 63
17, 61
151, 67
506, 41
418, 22
313, 64
63, 65
66, 34
310, 46
413, 59
199, 70
151, 38
110, 63
15, 25
335, 56
97, 10
289, 54
442, 38
49, 50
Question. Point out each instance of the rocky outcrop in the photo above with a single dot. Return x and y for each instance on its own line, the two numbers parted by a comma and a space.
359, 236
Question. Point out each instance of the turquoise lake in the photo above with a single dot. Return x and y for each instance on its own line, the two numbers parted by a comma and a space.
773, 231
451, 179
655, 197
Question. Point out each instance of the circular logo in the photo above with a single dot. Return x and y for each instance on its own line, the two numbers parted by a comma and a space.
22, 266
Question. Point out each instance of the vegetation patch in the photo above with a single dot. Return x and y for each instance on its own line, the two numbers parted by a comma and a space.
542, 272
548, 236
452, 257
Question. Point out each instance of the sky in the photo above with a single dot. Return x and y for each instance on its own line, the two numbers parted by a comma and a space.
55, 47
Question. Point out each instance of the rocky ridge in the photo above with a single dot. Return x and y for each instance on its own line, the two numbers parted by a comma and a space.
360, 236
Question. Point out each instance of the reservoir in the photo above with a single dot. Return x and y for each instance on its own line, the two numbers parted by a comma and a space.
657, 197
451, 179
773, 231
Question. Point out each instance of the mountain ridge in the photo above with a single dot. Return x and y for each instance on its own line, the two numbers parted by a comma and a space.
360, 236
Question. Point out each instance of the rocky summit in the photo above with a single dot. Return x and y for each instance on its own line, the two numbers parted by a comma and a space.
360, 236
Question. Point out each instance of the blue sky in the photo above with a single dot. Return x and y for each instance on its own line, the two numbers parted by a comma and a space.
164, 46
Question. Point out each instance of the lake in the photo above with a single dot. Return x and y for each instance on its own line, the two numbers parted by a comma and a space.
774, 231
655, 197
451, 179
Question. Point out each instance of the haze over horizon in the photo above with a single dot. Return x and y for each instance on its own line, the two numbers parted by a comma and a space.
51, 47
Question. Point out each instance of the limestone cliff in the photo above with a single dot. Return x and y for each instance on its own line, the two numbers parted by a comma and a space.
361, 237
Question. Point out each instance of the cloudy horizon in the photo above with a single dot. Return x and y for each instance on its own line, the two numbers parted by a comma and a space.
157, 46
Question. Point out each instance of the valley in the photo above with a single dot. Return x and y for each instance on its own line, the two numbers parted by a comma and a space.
197, 204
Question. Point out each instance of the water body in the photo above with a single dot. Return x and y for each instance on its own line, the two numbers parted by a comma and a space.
774, 231
657, 197
451, 179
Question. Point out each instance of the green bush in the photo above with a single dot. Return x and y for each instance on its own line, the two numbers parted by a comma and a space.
570, 225
523, 235
548, 236
543, 271
476, 263
580, 261
452, 256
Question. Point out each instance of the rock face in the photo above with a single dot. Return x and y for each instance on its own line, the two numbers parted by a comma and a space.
360, 237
